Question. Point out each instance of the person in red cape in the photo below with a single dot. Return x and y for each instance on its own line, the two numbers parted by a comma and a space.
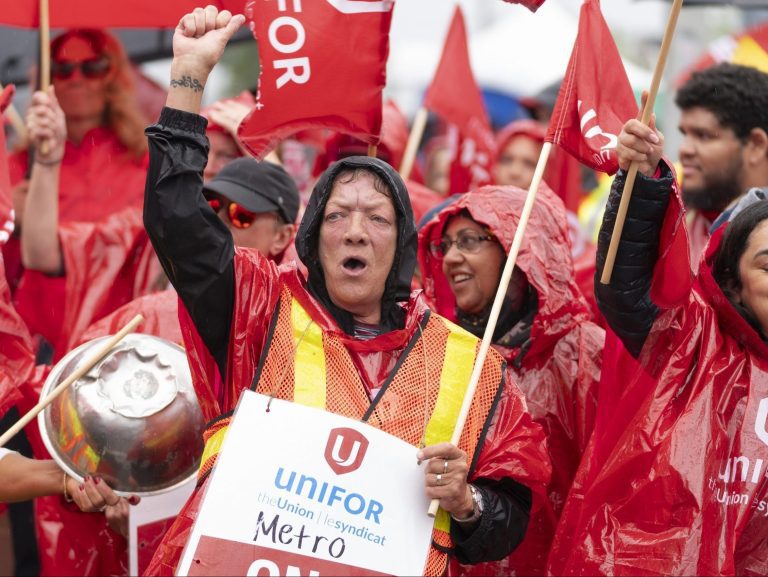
94, 169
358, 241
518, 147
553, 351
681, 491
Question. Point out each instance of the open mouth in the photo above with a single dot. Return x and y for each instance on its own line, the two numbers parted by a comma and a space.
353, 264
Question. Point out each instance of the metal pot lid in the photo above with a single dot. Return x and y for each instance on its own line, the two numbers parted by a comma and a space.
133, 419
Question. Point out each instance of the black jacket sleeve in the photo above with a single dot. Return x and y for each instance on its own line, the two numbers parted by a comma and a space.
626, 301
502, 525
194, 247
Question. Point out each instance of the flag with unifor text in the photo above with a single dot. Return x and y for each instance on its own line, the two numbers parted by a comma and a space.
595, 98
323, 65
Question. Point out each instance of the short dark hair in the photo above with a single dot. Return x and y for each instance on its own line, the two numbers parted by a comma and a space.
725, 268
737, 96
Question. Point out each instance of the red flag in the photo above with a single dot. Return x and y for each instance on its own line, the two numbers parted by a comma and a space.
455, 96
6, 200
595, 98
323, 65
532, 5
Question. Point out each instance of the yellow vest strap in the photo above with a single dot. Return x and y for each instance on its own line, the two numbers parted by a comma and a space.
457, 368
309, 361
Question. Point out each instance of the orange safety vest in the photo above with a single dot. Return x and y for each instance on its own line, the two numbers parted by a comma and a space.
304, 364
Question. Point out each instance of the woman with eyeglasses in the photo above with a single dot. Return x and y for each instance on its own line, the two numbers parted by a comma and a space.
82, 241
552, 349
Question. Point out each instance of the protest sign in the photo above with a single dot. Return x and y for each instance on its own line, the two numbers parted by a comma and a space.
301, 491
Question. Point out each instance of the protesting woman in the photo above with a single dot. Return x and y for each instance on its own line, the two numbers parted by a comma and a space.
683, 488
552, 349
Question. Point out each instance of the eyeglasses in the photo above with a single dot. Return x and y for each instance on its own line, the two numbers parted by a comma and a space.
466, 242
92, 68
238, 216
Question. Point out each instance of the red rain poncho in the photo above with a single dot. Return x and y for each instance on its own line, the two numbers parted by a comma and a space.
560, 370
106, 263
98, 180
512, 450
675, 483
76, 543
17, 359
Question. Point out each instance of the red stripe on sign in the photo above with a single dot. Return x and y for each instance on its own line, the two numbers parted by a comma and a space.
221, 557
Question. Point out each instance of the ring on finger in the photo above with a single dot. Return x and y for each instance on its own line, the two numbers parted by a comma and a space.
445, 467
439, 479
101, 509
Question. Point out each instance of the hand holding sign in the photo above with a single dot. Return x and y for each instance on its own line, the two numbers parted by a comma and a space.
446, 478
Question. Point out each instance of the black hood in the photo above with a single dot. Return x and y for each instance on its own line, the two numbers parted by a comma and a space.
398, 287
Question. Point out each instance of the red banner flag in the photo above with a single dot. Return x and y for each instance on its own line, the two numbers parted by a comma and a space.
6, 200
532, 5
595, 98
455, 96
323, 65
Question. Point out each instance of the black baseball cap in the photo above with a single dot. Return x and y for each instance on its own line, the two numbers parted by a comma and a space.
257, 187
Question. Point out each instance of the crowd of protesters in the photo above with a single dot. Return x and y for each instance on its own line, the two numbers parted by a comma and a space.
610, 420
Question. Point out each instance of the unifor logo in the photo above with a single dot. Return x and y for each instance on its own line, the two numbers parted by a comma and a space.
761, 422
345, 450
360, 7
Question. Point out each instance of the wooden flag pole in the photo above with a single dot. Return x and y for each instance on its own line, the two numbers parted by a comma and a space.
414, 138
87, 366
629, 183
501, 293
45, 57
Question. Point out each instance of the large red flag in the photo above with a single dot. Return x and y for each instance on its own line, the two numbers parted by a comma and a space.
6, 200
532, 5
323, 65
455, 96
595, 98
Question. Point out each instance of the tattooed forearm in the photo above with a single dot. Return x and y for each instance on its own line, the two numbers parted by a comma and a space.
187, 82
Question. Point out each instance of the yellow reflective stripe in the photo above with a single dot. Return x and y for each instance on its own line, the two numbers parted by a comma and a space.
457, 368
454, 379
309, 361
213, 445
442, 521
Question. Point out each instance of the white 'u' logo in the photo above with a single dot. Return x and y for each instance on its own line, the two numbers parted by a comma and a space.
335, 452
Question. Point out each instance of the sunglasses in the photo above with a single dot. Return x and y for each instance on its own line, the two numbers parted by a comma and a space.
466, 242
92, 68
238, 216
